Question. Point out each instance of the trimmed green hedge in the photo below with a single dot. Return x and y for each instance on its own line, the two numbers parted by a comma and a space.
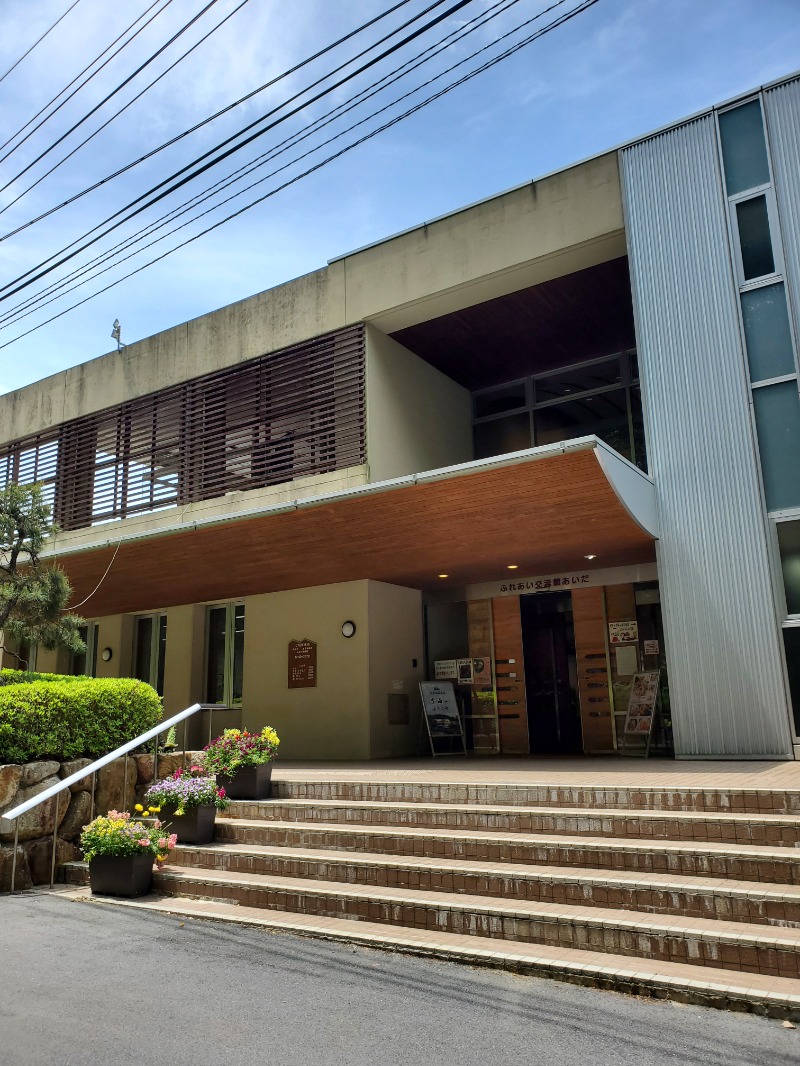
72, 717
24, 677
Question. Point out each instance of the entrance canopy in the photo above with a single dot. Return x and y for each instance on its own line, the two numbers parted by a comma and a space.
543, 509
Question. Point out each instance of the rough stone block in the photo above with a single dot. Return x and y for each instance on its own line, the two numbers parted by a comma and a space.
34, 772
10, 775
72, 766
111, 794
39, 821
39, 854
22, 878
77, 816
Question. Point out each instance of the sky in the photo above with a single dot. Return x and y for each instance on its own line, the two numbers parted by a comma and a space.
612, 72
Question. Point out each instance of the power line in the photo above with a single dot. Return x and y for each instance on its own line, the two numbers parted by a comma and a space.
184, 180
206, 121
39, 41
125, 107
105, 99
83, 83
457, 35
566, 17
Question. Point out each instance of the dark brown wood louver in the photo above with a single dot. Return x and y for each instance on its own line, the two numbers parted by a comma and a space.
290, 414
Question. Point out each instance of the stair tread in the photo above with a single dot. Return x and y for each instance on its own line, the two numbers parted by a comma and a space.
743, 933
517, 809
672, 975
628, 878
512, 836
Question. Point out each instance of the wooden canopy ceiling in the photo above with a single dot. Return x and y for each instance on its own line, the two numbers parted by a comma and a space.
544, 515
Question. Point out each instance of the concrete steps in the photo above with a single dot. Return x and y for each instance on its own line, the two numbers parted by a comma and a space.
673, 892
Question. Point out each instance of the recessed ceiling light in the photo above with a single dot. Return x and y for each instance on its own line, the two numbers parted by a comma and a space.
590, 556
513, 566
443, 575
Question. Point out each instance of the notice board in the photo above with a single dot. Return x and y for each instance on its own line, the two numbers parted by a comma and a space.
642, 704
441, 709
302, 666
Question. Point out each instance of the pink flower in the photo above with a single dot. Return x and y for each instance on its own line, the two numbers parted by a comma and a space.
173, 840
162, 843
144, 842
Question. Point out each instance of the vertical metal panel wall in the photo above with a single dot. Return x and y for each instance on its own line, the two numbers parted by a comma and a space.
782, 106
725, 671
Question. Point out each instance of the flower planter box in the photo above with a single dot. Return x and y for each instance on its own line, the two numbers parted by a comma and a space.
194, 827
248, 782
121, 875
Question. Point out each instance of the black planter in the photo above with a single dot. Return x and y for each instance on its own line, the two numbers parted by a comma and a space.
248, 782
194, 827
121, 875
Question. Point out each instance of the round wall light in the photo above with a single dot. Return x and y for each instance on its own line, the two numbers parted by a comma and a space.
348, 629
106, 655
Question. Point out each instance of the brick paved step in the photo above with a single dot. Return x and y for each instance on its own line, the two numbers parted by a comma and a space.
741, 901
708, 986
626, 797
725, 945
761, 829
738, 862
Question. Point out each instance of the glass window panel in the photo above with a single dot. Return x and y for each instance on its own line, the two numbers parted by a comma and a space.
144, 649
744, 151
502, 435
79, 657
605, 416
754, 240
637, 419
215, 671
791, 638
580, 379
496, 401
238, 654
777, 409
766, 328
789, 541
162, 654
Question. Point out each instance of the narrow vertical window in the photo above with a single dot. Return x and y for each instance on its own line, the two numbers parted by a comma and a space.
225, 655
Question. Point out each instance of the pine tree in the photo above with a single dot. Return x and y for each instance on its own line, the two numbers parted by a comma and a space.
33, 594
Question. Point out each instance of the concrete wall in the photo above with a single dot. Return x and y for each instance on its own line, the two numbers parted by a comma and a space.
417, 417
330, 721
543, 230
395, 646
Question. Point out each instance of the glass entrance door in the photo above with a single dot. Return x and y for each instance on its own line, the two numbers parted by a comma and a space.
548, 643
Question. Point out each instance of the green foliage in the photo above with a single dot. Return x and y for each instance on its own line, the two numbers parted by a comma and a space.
116, 834
73, 717
33, 595
24, 677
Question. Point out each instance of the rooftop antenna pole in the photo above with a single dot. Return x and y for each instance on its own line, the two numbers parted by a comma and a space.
116, 333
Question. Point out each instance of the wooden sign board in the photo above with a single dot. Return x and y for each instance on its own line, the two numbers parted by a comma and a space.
302, 664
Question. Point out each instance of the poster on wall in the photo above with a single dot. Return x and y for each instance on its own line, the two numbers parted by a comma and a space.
465, 667
482, 672
623, 632
445, 669
642, 704
302, 666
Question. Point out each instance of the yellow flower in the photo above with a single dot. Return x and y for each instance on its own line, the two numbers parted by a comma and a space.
155, 810
138, 807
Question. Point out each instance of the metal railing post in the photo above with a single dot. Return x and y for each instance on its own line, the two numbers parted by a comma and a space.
55, 837
155, 759
210, 720
94, 789
125, 784
14, 860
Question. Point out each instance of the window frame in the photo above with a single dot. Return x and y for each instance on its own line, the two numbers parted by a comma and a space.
228, 653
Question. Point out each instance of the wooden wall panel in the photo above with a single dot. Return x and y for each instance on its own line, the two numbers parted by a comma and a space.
512, 709
593, 679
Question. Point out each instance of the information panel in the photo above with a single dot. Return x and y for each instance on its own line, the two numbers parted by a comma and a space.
642, 704
302, 664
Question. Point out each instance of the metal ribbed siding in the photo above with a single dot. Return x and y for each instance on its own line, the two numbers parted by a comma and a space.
725, 672
782, 106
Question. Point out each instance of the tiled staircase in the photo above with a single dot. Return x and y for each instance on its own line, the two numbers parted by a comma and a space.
684, 893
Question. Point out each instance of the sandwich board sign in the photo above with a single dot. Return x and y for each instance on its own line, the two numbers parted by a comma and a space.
440, 711
642, 707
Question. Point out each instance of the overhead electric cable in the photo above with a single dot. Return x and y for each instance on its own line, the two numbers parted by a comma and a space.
206, 121
566, 17
125, 107
109, 96
183, 181
478, 22
84, 83
39, 41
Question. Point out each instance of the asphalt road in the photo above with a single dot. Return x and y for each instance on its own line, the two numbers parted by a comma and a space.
90, 984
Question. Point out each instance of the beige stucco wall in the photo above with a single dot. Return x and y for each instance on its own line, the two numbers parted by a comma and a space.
330, 721
395, 644
417, 417
554, 226
116, 632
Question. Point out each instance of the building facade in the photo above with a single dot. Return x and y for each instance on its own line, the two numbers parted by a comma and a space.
554, 435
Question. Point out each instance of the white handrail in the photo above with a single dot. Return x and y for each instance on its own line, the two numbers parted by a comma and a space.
87, 771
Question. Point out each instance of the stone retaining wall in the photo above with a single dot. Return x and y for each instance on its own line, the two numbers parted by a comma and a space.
70, 810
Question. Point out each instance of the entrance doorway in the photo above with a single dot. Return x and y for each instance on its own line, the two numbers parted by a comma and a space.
551, 676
